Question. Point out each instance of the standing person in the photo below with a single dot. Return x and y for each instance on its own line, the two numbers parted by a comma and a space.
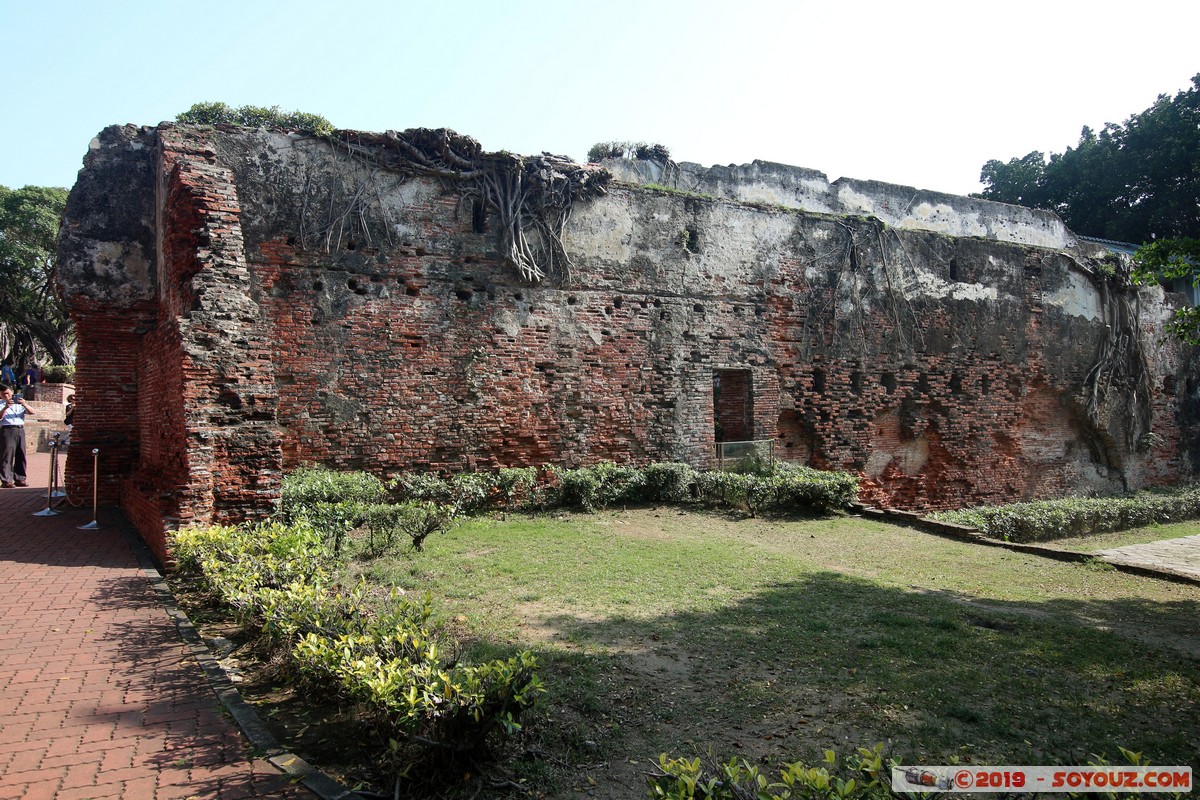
7, 376
12, 439
69, 417
31, 378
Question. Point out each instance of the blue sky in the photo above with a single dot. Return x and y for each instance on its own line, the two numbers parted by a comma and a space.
918, 93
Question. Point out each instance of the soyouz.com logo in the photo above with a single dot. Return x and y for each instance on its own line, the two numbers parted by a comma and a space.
1041, 779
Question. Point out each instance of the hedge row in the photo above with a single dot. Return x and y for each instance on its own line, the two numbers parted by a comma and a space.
785, 488
387, 662
1078, 516
415, 505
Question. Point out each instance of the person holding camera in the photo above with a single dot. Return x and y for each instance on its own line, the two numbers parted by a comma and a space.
12, 439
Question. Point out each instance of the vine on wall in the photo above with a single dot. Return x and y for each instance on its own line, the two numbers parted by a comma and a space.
531, 196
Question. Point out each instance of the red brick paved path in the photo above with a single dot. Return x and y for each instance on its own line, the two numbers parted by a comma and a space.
99, 695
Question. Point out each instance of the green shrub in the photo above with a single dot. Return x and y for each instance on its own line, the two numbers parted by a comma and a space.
238, 562
59, 373
1077, 516
783, 488
789, 488
389, 662
669, 482
516, 487
422, 486
865, 775
217, 113
387, 525
304, 488
333, 521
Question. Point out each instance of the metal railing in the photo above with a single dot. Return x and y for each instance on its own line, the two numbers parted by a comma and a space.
742, 455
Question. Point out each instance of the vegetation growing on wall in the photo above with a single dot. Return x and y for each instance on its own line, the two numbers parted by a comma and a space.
255, 117
531, 196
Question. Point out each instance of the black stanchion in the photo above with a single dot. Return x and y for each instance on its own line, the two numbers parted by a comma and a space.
94, 525
51, 484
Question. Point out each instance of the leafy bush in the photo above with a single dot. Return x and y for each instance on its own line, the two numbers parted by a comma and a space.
422, 486
789, 488
389, 524
782, 488
307, 487
669, 482
471, 492
864, 776
388, 662
59, 373
1077, 516
255, 117
237, 562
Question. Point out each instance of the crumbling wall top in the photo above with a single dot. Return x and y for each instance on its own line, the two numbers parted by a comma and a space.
765, 182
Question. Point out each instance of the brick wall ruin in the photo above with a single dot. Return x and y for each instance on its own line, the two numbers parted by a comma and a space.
251, 300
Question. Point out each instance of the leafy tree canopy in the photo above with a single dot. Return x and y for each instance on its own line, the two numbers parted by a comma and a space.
34, 325
255, 117
1133, 182
631, 150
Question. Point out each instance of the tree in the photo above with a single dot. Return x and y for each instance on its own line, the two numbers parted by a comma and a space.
34, 324
1172, 260
631, 150
1137, 182
1134, 182
255, 117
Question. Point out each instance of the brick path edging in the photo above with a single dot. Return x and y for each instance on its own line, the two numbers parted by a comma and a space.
243, 713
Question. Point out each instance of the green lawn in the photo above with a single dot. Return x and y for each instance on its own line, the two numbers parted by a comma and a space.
694, 633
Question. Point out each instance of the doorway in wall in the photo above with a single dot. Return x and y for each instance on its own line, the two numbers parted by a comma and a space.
733, 405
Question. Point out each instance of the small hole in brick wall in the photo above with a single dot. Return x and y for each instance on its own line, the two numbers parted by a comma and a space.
956, 383
856, 382
318, 285
462, 294
608, 311
518, 297
985, 384
665, 314
658, 303
411, 290
572, 300
291, 240
818, 380
888, 381
351, 246
352, 285
618, 302
420, 251
698, 308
